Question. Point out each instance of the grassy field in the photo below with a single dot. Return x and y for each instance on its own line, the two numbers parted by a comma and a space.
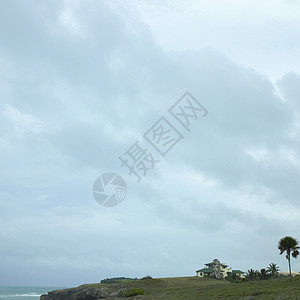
190, 288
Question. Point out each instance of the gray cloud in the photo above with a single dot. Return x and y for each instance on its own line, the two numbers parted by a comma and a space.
80, 83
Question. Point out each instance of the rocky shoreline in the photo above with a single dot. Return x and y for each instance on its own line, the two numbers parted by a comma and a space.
85, 292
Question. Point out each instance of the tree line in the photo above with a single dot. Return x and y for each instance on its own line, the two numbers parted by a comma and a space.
287, 245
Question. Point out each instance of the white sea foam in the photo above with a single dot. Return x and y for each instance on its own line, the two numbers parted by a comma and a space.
20, 295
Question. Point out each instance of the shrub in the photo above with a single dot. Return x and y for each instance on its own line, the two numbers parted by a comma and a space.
146, 277
132, 292
116, 280
234, 278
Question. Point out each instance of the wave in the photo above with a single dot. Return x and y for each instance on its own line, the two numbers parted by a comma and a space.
21, 295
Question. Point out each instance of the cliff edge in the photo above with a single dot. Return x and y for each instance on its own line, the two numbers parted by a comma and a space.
85, 292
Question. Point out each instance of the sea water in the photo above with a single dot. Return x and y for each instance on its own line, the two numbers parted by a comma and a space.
24, 293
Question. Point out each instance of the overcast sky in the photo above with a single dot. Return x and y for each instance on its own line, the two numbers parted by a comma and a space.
82, 81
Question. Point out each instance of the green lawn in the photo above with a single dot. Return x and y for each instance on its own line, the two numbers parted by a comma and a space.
189, 288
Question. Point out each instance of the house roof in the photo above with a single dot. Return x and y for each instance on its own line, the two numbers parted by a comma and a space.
211, 263
237, 272
205, 270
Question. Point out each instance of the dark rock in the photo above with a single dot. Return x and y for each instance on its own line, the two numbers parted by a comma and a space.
83, 293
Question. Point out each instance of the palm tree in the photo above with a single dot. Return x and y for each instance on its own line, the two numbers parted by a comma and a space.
273, 270
290, 246
251, 274
263, 274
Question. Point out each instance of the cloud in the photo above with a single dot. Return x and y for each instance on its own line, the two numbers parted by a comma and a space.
259, 35
22, 122
80, 83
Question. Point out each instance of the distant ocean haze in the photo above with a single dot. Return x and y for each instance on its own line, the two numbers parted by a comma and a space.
24, 292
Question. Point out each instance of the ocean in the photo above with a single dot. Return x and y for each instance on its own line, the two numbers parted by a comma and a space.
24, 292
